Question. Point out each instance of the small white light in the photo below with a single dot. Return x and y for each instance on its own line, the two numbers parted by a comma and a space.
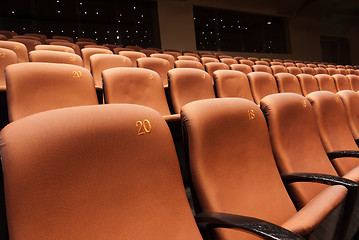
207, 25
126, 30
83, 31
96, 39
58, 11
120, 14
141, 15
13, 12
97, 13
23, 28
194, 18
239, 26
269, 23
51, 31
95, 32
128, 36
202, 32
39, 31
73, 31
105, 38
62, 31
136, 31
214, 19
138, 22
118, 37
108, 31
80, 3
116, 31
134, 7
85, 12
119, 20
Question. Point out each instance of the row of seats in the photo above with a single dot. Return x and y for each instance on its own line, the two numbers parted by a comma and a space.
109, 171
30, 81
30, 38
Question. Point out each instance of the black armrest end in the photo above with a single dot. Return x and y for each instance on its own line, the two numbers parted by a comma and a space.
257, 226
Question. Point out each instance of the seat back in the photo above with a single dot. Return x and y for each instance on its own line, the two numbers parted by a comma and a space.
133, 56
296, 143
84, 170
326, 82
100, 62
230, 83
214, 66
188, 85
312, 65
308, 83
308, 70
352, 71
247, 62
19, 48
66, 44
333, 128
228, 61
342, 71
320, 70
96, 46
288, 83
262, 84
55, 57
350, 100
168, 57
300, 65
223, 173
341, 82
276, 63
159, 65
278, 69
262, 68
289, 64
148, 52
69, 39
173, 53
205, 60
7, 57
353, 81
88, 52
37, 87
55, 48
294, 70
332, 71
188, 64
136, 86
29, 43
186, 57
265, 63
244, 68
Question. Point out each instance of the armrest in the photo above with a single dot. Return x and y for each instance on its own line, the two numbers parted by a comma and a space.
257, 226
320, 178
338, 154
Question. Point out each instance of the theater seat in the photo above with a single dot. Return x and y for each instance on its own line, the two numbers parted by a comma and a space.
247, 62
188, 85
191, 58
230, 83
37, 87
308, 83
71, 45
100, 62
168, 57
205, 60
244, 68
214, 66
326, 82
188, 64
308, 70
354, 82
133, 56
265, 63
334, 130
341, 82
262, 84
29, 43
7, 57
350, 100
88, 52
55, 48
332, 71
278, 69
294, 70
228, 61
136, 86
233, 168
55, 57
159, 65
288, 83
319, 70
19, 48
